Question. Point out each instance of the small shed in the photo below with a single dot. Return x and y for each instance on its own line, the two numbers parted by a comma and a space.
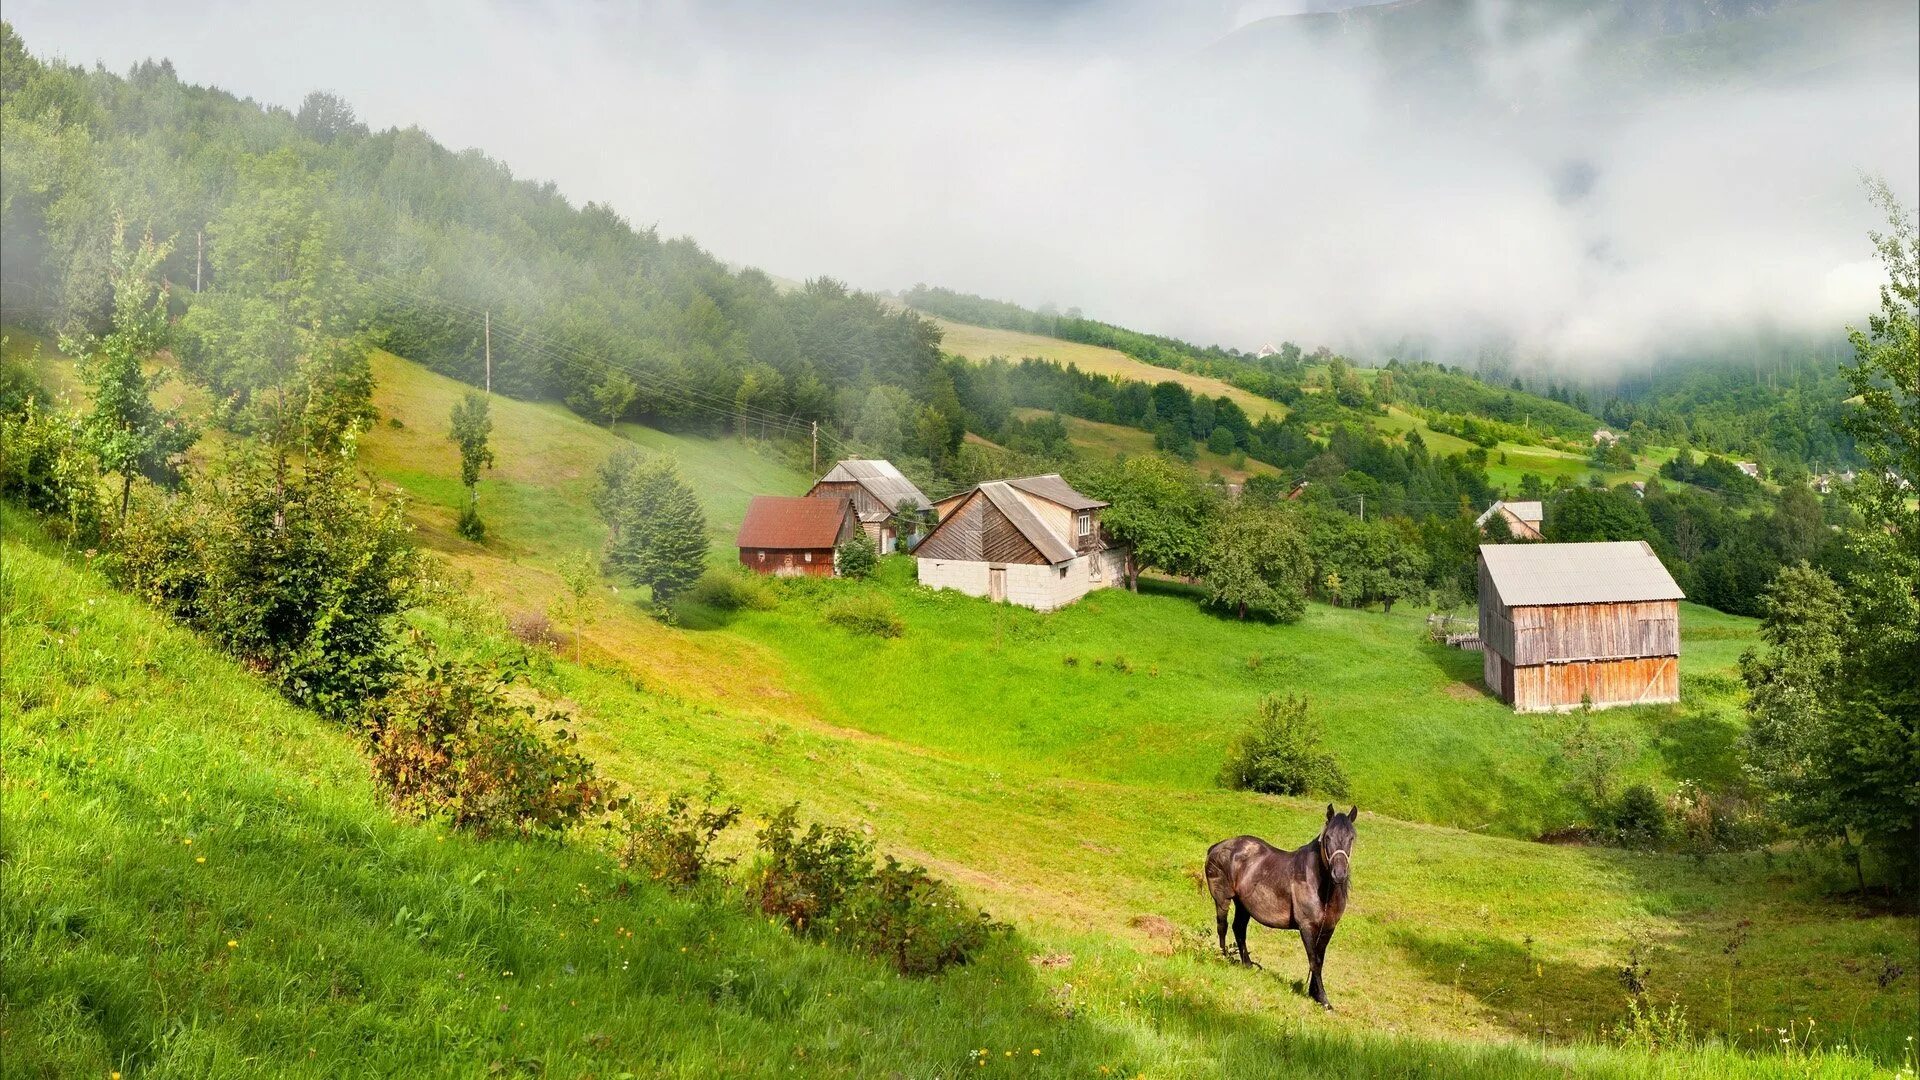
877, 489
1523, 518
1566, 624
789, 537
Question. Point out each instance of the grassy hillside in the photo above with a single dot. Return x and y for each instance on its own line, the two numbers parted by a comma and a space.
984, 343
1100, 441
203, 881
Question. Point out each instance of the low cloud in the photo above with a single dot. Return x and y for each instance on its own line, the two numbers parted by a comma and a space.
1119, 158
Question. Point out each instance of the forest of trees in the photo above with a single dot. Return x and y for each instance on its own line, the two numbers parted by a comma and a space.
404, 244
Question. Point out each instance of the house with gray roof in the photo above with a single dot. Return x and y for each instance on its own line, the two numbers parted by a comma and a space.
1032, 541
878, 491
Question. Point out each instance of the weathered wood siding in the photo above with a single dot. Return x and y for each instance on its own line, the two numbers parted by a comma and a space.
1635, 681
863, 500
1594, 631
974, 531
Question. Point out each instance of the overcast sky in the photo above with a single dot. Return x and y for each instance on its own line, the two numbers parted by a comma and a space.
1089, 154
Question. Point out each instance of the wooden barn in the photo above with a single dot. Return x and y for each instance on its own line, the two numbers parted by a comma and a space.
1523, 518
1563, 624
790, 536
877, 490
1034, 541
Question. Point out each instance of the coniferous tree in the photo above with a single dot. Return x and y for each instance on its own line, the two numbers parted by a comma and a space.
662, 540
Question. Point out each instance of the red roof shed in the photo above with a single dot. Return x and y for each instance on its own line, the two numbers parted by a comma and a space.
784, 536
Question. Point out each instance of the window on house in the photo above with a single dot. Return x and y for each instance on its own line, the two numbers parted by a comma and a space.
763, 556
809, 556
1085, 524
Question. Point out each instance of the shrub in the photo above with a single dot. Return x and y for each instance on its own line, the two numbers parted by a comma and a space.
1281, 753
867, 613
672, 843
1707, 822
1638, 818
298, 571
45, 468
822, 882
471, 527
731, 590
857, 557
446, 740
532, 628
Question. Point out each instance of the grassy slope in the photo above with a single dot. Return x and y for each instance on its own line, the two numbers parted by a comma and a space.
983, 343
322, 936
1098, 440
894, 734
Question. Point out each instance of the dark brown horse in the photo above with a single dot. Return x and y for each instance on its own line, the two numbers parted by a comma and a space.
1304, 890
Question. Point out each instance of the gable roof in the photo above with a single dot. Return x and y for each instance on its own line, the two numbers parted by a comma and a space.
1527, 575
1529, 512
880, 478
780, 521
1055, 490
1004, 499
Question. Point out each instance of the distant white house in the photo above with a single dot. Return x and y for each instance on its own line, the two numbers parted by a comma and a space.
1751, 468
1523, 518
1603, 437
1266, 351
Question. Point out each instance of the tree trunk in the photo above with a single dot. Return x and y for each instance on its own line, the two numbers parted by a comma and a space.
126, 494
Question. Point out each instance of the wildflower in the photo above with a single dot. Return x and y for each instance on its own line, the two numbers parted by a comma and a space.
187, 840
233, 943
200, 859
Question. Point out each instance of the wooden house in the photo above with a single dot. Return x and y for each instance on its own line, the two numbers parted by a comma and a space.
1034, 541
788, 536
1566, 624
877, 490
1524, 519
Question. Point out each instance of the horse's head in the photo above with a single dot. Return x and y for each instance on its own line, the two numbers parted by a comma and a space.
1336, 843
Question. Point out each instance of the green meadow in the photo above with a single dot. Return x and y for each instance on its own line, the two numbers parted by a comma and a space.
1057, 768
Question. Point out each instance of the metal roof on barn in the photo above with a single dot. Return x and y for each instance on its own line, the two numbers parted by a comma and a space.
881, 479
1530, 512
793, 522
1533, 575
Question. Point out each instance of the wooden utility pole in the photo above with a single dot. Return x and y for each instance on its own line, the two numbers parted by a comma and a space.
489, 336
199, 249
816, 448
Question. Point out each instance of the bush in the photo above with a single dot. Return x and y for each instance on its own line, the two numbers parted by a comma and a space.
822, 883
446, 740
672, 843
1638, 818
44, 467
471, 527
1281, 753
532, 628
857, 557
731, 590
867, 613
297, 571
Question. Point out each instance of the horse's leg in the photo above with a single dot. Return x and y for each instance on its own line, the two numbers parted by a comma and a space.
1310, 941
1317, 956
1240, 917
1222, 899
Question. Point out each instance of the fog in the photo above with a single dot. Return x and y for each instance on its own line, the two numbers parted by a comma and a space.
1117, 157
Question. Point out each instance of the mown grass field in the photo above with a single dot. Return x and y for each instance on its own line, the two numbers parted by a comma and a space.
203, 881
